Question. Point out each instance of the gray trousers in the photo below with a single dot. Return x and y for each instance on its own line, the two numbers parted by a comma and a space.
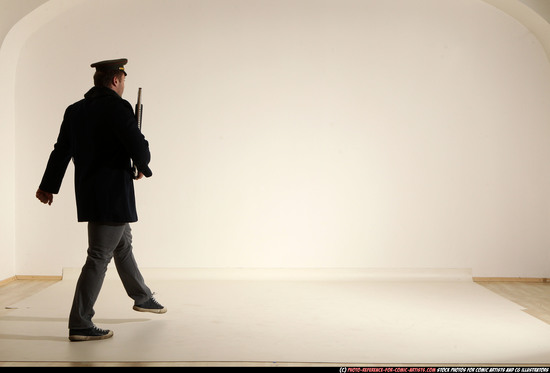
106, 241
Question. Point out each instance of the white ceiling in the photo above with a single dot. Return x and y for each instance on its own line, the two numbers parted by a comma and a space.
11, 11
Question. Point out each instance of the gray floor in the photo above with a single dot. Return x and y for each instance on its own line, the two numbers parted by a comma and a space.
267, 317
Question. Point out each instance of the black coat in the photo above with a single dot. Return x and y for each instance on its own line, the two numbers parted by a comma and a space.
101, 135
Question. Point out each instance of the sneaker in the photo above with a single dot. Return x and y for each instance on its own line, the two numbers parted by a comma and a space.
150, 306
90, 334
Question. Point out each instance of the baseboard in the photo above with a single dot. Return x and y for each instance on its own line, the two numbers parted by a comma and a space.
30, 277
7, 280
44, 278
512, 279
474, 279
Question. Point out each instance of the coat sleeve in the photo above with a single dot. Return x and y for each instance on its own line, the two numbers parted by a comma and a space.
59, 158
127, 131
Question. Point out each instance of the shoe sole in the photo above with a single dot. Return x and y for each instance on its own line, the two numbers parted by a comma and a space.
82, 338
139, 309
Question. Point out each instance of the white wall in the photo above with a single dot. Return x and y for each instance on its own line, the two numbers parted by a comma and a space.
7, 183
11, 12
304, 133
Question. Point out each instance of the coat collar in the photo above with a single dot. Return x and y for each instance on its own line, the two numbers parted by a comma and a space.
96, 92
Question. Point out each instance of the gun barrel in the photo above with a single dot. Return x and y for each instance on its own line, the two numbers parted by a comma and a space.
139, 109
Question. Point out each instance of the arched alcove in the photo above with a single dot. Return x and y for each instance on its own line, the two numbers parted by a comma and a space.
292, 134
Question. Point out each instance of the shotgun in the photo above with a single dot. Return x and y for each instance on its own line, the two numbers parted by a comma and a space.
139, 115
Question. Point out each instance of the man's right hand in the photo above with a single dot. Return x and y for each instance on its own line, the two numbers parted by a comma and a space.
44, 197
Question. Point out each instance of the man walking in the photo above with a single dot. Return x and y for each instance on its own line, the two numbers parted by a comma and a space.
101, 135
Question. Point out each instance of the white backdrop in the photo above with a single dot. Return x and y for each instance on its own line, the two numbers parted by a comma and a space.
304, 133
